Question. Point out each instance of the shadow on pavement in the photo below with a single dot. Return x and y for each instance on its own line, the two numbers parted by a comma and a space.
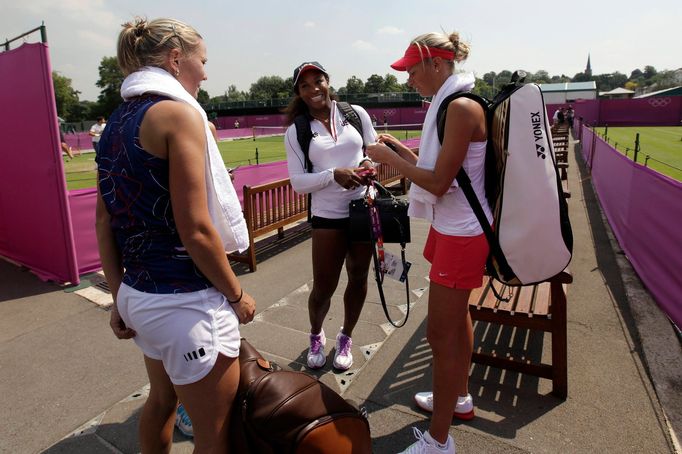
24, 284
500, 396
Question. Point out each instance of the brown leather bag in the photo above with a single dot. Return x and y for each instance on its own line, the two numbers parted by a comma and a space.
282, 411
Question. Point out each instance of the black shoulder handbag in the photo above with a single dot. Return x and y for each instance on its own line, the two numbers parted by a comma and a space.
394, 228
395, 223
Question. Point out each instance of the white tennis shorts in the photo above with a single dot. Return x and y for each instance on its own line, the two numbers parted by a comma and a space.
185, 331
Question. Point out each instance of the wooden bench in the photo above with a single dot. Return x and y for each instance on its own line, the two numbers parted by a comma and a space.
272, 206
560, 145
269, 207
537, 307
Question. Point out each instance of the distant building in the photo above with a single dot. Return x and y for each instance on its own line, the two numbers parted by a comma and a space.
588, 68
617, 93
562, 93
674, 91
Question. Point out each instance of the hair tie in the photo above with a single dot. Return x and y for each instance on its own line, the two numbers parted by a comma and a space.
139, 31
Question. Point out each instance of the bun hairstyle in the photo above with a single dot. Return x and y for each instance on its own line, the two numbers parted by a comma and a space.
147, 43
450, 42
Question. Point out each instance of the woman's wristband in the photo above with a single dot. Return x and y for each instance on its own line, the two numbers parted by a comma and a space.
241, 294
365, 160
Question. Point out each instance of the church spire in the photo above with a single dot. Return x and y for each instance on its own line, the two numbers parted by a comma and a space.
588, 68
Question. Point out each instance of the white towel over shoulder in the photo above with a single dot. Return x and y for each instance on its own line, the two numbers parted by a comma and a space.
223, 203
422, 201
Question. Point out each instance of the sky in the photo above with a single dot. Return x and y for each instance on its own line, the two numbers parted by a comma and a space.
254, 38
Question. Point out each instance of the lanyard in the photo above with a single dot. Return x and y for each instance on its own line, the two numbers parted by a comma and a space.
376, 229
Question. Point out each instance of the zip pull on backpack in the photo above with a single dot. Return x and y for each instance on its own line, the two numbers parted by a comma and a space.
532, 240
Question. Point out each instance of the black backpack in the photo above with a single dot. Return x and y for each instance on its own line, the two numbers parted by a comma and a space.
532, 240
304, 135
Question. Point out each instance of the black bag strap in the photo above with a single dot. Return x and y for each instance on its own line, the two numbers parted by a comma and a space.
377, 267
465, 183
304, 135
353, 118
380, 282
443, 109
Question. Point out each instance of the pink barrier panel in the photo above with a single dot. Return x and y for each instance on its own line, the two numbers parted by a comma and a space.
258, 174
645, 111
82, 203
666, 111
79, 141
248, 121
394, 116
234, 133
35, 224
643, 209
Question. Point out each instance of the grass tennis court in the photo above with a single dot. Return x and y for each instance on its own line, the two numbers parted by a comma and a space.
663, 144
80, 171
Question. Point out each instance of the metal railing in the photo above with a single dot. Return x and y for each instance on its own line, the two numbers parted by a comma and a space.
43, 36
365, 99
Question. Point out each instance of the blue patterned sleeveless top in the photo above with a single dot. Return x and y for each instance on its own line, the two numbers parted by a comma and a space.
134, 188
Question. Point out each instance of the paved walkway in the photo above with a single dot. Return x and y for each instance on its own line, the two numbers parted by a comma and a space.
71, 387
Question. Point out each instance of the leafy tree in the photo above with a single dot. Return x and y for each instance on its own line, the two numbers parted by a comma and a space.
203, 97
374, 84
110, 80
65, 96
606, 82
649, 72
636, 74
502, 79
82, 111
482, 88
581, 77
559, 79
540, 77
269, 87
489, 77
664, 79
631, 85
391, 84
354, 86
234, 95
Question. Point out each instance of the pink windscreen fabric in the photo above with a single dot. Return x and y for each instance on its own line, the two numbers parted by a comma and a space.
654, 111
35, 223
82, 203
643, 208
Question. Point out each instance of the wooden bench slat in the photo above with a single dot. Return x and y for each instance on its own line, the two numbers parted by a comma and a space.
490, 301
541, 304
523, 305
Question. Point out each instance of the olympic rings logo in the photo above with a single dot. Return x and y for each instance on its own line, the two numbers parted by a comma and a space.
659, 102
389, 112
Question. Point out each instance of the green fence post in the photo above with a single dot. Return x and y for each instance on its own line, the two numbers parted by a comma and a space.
606, 130
646, 160
256, 155
636, 147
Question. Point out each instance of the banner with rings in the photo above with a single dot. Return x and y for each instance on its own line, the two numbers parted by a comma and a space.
659, 102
